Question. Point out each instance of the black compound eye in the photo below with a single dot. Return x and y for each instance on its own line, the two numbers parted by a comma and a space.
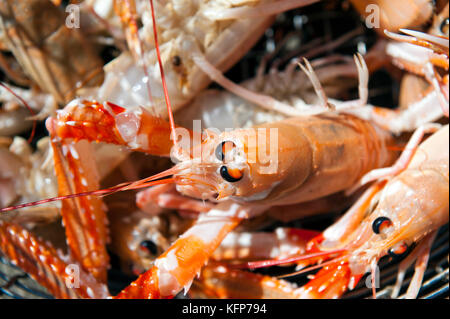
149, 246
219, 152
444, 26
223, 148
176, 60
231, 175
399, 250
380, 224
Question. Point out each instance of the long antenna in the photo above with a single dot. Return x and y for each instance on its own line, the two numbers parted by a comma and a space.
166, 93
288, 260
102, 192
26, 105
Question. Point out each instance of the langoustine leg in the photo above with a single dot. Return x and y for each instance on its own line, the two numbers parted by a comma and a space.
46, 265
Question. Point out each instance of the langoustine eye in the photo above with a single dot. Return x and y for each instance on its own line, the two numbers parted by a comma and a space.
176, 60
399, 250
149, 247
223, 149
381, 224
444, 26
231, 175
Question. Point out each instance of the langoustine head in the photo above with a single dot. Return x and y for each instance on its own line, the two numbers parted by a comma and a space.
253, 164
138, 239
410, 206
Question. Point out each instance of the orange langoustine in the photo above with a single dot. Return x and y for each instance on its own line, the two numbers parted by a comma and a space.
316, 156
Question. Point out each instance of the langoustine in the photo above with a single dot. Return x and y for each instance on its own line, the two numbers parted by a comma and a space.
375, 139
388, 219
119, 109
199, 241
359, 136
